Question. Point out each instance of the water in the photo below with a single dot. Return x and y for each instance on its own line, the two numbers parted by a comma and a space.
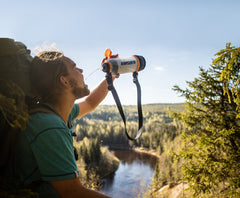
93, 72
133, 176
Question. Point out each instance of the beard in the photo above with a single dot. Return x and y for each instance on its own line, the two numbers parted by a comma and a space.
79, 92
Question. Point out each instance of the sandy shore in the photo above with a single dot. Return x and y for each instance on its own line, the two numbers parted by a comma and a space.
143, 150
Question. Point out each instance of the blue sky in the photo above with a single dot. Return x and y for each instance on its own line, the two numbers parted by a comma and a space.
175, 37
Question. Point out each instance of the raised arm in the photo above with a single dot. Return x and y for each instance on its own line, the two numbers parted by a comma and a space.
95, 97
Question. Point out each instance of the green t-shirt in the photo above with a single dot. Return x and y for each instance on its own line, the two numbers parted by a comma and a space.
44, 152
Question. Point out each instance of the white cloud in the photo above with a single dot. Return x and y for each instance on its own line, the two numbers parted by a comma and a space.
159, 68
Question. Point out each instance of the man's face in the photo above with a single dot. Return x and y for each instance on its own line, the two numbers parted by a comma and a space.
79, 88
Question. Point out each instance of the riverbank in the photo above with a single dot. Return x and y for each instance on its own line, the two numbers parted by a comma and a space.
111, 162
107, 165
171, 191
177, 191
150, 152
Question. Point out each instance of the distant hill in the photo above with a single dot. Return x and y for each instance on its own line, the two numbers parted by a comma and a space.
156, 107
164, 107
110, 112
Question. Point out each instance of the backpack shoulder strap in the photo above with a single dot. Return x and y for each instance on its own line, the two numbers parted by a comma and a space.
44, 108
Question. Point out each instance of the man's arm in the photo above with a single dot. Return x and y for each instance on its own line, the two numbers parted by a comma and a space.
73, 188
94, 98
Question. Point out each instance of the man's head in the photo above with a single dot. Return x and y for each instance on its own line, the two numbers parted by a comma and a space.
75, 79
52, 74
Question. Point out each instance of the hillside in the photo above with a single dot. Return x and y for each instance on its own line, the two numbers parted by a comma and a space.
110, 112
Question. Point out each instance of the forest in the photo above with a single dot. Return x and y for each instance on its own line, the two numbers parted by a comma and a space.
161, 133
198, 141
104, 127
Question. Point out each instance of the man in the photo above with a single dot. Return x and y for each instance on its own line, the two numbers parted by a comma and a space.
44, 159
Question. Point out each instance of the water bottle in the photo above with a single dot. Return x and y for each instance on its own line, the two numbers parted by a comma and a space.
133, 63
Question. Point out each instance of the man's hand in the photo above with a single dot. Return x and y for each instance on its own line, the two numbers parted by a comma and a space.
115, 76
108, 55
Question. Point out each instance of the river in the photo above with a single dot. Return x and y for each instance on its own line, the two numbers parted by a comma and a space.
133, 176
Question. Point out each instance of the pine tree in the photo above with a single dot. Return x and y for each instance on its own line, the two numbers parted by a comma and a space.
97, 151
156, 177
230, 59
212, 135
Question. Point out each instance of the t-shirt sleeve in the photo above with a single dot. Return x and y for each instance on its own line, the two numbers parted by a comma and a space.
74, 113
54, 154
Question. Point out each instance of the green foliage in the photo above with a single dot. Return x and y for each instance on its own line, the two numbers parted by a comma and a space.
90, 152
211, 153
13, 109
156, 180
229, 59
98, 162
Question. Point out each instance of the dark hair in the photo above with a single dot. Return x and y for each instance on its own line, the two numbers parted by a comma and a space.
46, 68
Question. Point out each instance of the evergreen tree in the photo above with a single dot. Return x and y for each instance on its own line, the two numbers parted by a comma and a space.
212, 133
97, 151
230, 59
156, 177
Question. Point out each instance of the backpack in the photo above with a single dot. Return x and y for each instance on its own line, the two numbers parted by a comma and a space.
15, 97
15, 94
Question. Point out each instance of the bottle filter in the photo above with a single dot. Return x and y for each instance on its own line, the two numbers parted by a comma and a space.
134, 63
